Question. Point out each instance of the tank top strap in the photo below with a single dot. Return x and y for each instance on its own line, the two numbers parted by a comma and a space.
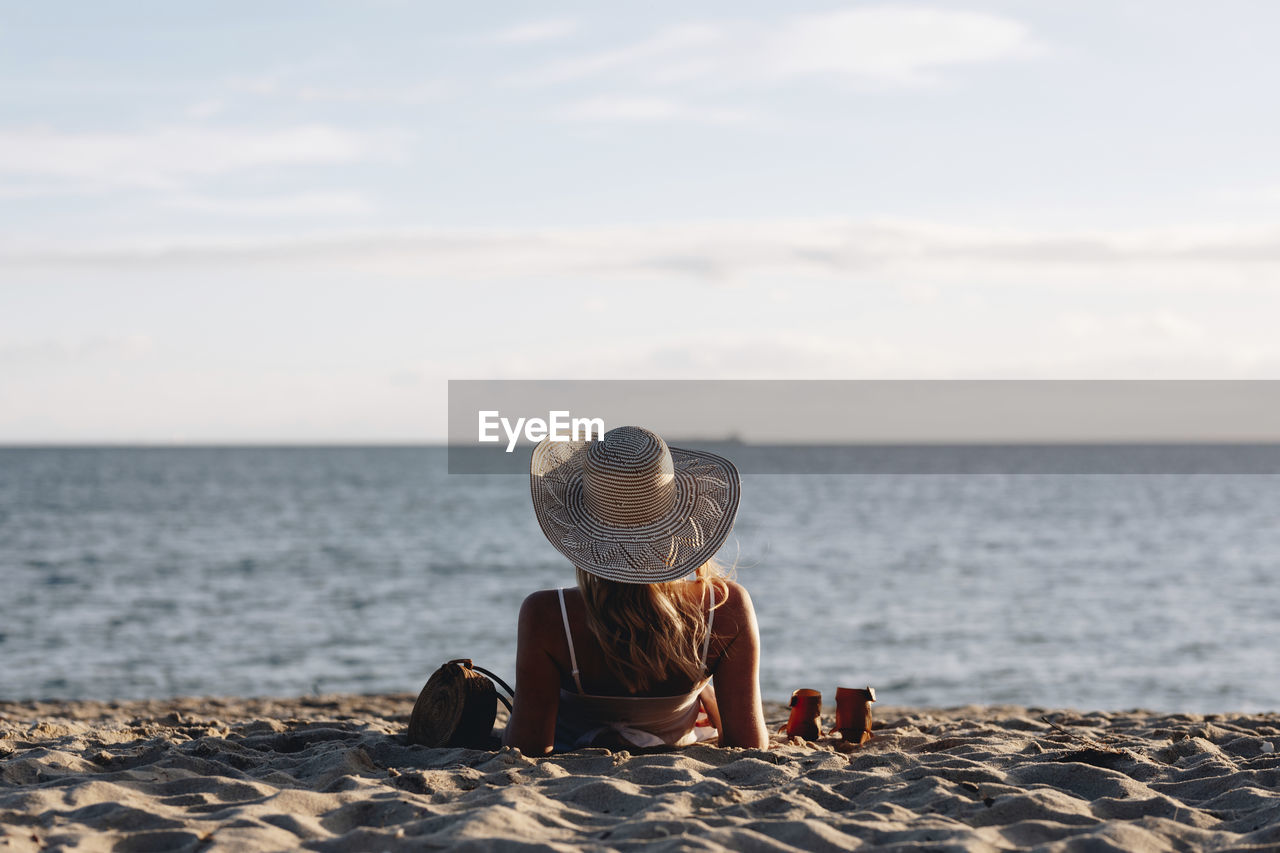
711, 618
568, 635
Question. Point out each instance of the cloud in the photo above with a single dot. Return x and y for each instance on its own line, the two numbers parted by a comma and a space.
1162, 326
778, 354
314, 83
892, 44
536, 31
907, 253
419, 93
43, 189
166, 158
62, 351
205, 109
648, 109
300, 204
1132, 347
874, 44
638, 56
1257, 193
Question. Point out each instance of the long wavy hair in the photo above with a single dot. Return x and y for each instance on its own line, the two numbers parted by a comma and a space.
650, 632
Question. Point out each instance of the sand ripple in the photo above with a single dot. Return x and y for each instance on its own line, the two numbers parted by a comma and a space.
333, 773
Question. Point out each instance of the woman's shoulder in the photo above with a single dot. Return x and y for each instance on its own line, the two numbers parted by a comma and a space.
736, 596
736, 605
540, 613
543, 598
543, 601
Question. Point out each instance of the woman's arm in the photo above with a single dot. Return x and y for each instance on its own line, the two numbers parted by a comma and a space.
737, 678
532, 727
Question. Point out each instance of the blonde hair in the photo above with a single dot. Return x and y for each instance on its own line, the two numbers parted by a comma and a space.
649, 631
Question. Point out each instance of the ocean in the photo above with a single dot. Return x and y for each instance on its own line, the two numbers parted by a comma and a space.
157, 572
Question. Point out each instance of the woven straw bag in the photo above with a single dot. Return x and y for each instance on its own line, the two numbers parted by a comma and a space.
457, 707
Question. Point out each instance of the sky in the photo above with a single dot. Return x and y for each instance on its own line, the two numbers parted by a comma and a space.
294, 222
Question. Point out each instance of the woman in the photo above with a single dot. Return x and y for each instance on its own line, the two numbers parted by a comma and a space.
628, 658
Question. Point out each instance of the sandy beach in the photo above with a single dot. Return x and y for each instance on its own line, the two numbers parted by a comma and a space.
334, 773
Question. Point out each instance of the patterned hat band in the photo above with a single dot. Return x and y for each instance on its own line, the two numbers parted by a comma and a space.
629, 508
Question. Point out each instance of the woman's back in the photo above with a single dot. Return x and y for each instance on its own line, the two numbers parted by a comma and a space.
653, 717
544, 677
595, 675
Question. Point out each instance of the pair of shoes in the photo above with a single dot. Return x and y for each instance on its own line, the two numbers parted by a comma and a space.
853, 714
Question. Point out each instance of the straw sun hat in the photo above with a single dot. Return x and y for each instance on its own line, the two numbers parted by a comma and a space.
629, 508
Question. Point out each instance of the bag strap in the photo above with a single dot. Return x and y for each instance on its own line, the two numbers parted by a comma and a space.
466, 662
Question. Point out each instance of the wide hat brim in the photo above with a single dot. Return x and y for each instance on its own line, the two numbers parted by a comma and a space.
707, 490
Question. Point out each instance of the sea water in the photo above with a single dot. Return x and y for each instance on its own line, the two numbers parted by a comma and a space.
129, 573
